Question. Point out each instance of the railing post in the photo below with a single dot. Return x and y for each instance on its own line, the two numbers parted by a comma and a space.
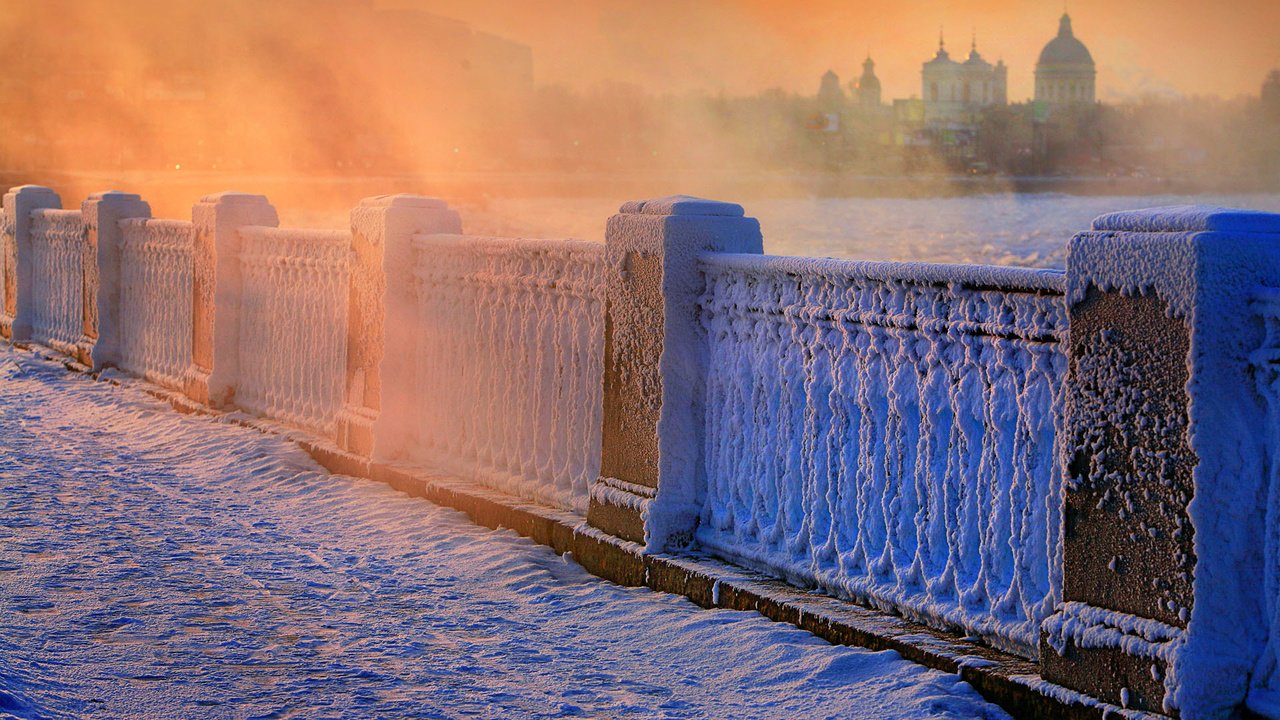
102, 213
18, 205
215, 318
383, 320
1167, 448
654, 365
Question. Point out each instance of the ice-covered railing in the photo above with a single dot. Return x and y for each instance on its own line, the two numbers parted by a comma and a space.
156, 269
886, 431
510, 335
59, 245
293, 324
941, 442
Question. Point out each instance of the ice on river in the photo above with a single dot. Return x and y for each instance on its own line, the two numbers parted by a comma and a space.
1028, 230
166, 566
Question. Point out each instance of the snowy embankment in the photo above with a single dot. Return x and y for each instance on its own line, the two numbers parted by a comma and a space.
160, 565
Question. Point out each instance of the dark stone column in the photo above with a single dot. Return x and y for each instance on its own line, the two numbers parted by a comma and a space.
654, 363
216, 285
102, 213
18, 205
1165, 445
382, 326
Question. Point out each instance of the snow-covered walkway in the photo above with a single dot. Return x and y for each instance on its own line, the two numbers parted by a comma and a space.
168, 566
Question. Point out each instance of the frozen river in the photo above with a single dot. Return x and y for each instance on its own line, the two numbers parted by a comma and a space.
1030, 230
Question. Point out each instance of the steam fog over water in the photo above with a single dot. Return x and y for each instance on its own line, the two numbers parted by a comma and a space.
1030, 230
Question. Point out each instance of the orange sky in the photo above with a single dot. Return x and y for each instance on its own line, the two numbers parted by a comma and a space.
742, 46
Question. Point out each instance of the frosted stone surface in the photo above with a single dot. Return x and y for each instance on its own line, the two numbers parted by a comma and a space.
887, 432
293, 324
509, 362
8, 269
156, 267
58, 249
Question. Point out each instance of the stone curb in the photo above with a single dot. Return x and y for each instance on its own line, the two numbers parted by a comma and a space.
1011, 682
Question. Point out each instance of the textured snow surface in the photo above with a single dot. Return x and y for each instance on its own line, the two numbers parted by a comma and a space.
59, 244
156, 268
887, 432
510, 363
293, 324
161, 565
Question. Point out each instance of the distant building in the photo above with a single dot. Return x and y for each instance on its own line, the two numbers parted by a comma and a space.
1065, 73
869, 85
830, 96
955, 92
1271, 94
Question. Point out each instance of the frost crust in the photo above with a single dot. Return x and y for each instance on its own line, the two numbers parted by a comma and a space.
509, 363
59, 245
887, 432
156, 269
293, 325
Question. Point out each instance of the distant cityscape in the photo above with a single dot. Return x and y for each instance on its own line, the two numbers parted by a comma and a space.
382, 92
962, 121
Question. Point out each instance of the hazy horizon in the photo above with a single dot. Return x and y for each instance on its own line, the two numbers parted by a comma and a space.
746, 46
147, 94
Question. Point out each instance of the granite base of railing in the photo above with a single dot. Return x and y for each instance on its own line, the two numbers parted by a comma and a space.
1011, 682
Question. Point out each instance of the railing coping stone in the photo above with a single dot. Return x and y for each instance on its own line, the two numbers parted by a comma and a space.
114, 195
1002, 277
235, 198
1189, 218
33, 189
682, 205
404, 200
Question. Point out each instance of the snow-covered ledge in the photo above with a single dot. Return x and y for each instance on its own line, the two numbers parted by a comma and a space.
651, 446
1169, 559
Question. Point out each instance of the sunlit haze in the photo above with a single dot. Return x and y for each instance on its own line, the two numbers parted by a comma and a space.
482, 98
743, 46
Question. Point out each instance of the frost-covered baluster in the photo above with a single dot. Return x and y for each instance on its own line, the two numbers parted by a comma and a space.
1166, 449
19, 288
102, 213
383, 320
655, 363
216, 290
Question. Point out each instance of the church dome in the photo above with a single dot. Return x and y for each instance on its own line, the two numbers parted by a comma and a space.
1065, 49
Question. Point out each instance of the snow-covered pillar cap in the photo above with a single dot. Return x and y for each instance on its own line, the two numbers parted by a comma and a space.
113, 195
405, 200
232, 197
32, 189
682, 205
1189, 218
